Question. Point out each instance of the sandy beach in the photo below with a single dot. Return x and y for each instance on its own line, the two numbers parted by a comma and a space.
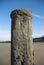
5, 53
39, 53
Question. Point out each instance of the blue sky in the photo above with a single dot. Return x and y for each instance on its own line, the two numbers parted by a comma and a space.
37, 8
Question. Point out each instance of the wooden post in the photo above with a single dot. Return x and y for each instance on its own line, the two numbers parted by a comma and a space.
21, 38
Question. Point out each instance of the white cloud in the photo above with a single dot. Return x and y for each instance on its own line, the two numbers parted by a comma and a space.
38, 16
37, 34
5, 35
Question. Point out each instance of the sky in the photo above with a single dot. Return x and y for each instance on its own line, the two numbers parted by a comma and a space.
35, 6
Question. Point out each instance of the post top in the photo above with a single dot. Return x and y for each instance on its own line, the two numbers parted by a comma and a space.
20, 12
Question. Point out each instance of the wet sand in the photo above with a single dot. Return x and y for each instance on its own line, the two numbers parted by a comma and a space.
39, 53
5, 54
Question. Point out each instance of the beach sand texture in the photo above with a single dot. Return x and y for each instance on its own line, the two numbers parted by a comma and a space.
5, 53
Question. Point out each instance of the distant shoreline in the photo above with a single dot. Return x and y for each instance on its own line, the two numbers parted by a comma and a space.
5, 41
40, 39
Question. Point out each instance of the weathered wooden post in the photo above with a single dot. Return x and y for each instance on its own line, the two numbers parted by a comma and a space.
21, 38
